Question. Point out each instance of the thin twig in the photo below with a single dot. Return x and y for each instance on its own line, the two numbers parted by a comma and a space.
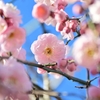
88, 75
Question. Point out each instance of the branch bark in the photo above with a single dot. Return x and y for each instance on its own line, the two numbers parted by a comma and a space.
50, 70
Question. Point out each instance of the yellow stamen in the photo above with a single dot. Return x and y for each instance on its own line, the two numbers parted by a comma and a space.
48, 51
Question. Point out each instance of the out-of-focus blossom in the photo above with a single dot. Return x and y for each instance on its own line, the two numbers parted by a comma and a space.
4, 91
14, 37
83, 28
11, 12
86, 50
72, 1
41, 12
18, 53
3, 25
93, 93
68, 29
48, 49
94, 11
7, 94
18, 96
78, 9
61, 4
50, 3
16, 78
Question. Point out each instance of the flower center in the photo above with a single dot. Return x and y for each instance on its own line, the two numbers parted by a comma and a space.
41, 11
12, 80
2, 27
90, 52
48, 51
11, 35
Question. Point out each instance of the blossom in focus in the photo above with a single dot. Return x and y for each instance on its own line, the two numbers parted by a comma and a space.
94, 11
48, 49
13, 37
93, 93
86, 51
41, 12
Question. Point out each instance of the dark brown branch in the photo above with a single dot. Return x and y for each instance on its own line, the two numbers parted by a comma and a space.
51, 70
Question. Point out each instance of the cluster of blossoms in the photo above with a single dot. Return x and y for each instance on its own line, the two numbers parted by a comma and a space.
48, 49
14, 81
52, 13
86, 49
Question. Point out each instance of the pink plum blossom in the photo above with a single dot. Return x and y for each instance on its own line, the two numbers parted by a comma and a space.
3, 25
61, 4
48, 49
93, 93
50, 3
4, 91
78, 9
18, 96
10, 11
86, 50
17, 53
41, 12
14, 37
16, 78
67, 64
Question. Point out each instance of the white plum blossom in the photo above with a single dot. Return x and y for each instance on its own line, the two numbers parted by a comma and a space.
94, 11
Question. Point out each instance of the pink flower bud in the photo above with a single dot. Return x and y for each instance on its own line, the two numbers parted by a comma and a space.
41, 12
78, 9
